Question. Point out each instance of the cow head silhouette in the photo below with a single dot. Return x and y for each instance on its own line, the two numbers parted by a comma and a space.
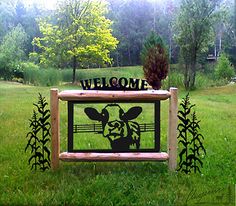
117, 125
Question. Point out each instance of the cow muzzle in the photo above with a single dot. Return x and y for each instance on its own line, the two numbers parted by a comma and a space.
115, 129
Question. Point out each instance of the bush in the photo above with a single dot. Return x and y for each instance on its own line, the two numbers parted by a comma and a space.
67, 75
35, 75
49, 77
224, 70
155, 61
175, 79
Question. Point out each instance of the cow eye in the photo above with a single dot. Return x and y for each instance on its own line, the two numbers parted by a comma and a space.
121, 114
105, 114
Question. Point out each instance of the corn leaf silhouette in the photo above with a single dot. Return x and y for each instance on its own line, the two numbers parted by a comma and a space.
189, 138
39, 136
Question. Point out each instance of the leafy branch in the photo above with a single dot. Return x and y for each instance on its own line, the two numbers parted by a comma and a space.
39, 136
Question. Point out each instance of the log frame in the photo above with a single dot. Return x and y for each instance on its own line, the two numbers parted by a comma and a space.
96, 157
94, 95
97, 95
55, 128
172, 129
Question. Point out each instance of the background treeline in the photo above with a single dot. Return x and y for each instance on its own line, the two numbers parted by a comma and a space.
134, 19
132, 22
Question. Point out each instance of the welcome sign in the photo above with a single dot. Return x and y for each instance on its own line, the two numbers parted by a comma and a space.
114, 125
114, 83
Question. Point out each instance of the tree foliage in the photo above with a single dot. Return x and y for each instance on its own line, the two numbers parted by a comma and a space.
224, 70
7, 17
78, 33
132, 23
155, 60
12, 51
151, 41
229, 32
194, 27
81, 35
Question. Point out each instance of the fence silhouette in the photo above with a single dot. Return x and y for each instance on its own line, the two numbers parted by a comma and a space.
97, 128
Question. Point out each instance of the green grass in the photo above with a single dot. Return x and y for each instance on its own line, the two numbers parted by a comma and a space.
129, 183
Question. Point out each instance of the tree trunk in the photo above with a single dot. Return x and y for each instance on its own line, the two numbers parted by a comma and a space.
192, 75
117, 59
193, 70
74, 69
186, 77
129, 55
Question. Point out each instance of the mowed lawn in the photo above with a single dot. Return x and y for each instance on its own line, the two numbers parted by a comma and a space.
118, 183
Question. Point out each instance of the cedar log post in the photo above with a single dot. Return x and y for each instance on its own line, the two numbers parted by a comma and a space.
55, 128
172, 133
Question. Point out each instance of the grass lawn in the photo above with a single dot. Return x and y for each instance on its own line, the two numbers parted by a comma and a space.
129, 183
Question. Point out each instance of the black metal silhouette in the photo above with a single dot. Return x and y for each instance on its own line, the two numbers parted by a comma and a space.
114, 83
39, 136
120, 130
97, 128
117, 126
189, 138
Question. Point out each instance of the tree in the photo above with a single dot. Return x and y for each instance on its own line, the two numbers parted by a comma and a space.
26, 16
224, 70
155, 60
12, 51
7, 17
132, 23
164, 25
151, 41
229, 35
81, 35
194, 25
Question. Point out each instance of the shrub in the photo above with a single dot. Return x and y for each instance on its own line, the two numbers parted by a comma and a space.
156, 66
224, 70
30, 71
67, 75
49, 77
35, 75
155, 60
175, 79
12, 52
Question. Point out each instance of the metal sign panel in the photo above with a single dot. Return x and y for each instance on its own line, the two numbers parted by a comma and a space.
113, 127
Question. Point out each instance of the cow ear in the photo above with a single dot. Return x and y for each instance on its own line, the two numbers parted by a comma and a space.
93, 114
132, 113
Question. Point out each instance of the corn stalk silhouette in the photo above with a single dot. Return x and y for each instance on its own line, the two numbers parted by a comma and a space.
39, 136
190, 140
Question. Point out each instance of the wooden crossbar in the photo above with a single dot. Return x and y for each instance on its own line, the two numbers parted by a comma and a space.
97, 95
95, 157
